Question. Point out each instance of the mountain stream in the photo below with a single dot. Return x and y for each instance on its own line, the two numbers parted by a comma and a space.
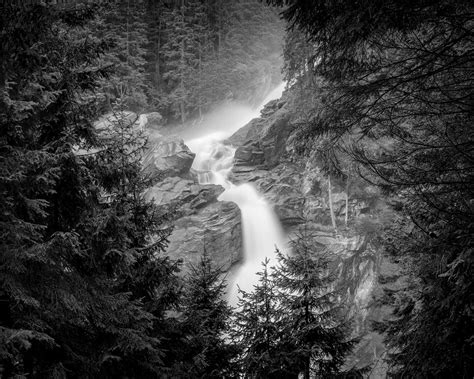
261, 228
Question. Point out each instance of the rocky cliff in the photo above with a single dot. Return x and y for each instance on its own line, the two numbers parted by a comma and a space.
201, 223
299, 191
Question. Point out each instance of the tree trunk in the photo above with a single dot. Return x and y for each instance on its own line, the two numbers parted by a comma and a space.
346, 217
181, 104
306, 368
200, 83
158, 49
182, 110
307, 322
331, 207
128, 30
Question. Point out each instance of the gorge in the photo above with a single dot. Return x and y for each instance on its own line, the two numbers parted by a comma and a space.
150, 161
252, 165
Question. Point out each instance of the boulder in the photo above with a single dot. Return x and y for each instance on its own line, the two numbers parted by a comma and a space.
185, 193
272, 106
168, 156
275, 136
106, 120
215, 229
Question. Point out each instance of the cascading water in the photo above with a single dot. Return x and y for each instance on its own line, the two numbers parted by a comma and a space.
261, 228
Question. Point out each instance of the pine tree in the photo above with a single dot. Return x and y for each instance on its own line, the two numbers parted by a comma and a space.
74, 269
313, 319
399, 78
202, 95
44, 187
127, 235
123, 26
259, 331
156, 34
207, 352
180, 60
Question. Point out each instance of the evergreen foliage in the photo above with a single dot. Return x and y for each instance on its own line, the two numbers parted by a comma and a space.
398, 77
123, 25
291, 323
207, 352
180, 57
259, 330
311, 309
200, 53
82, 290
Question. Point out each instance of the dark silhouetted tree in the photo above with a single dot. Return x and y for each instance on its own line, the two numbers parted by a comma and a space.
206, 321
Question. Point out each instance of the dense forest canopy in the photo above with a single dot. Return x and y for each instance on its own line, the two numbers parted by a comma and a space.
183, 57
85, 290
391, 86
383, 93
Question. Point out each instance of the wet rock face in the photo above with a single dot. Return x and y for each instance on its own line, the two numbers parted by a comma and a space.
184, 193
299, 192
249, 154
215, 229
201, 222
168, 156
246, 133
263, 141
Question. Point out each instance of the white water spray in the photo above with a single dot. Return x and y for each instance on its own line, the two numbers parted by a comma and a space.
261, 228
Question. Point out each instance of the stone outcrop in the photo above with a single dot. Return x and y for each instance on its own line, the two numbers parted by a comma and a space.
298, 190
168, 156
200, 222
107, 121
263, 141
187, 195
215, 229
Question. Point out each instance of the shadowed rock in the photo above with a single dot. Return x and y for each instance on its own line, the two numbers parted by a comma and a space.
186, 194
215, 229
168, 156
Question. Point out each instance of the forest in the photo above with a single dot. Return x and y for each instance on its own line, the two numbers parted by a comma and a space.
376, 121
180, 58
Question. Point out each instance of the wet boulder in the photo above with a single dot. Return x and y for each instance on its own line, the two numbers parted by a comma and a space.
168, 156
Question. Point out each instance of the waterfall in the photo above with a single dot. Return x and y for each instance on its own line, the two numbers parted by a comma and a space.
261, 228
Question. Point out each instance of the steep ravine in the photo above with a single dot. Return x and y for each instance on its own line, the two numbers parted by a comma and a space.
296, 187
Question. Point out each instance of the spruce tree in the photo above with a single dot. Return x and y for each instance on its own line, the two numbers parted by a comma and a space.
122, 24
259, 330
45, 110
399, 79
127, 234
207, 352
180, 60
313, 319
82, 288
